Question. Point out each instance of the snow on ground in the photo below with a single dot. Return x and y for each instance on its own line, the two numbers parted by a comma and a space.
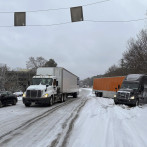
37, 125
87, 121
19, 98
103, 124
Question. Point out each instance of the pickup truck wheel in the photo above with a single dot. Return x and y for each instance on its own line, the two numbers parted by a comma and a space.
1, 104
28, 104
14, 102
51, 101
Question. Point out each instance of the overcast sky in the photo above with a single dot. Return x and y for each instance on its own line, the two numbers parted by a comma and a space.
84, 48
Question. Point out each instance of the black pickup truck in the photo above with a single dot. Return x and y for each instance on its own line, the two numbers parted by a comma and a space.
6, 98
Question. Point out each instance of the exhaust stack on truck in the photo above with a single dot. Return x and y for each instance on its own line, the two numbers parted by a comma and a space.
51, 84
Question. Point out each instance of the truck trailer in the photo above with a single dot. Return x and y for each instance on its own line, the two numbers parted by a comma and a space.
51, 84
107, 86
133, 90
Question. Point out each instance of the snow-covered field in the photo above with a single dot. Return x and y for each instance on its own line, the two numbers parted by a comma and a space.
87, 121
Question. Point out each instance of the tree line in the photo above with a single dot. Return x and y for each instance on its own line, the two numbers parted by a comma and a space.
134, 59
18, 79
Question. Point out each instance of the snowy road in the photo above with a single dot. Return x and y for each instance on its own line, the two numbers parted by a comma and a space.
87, 121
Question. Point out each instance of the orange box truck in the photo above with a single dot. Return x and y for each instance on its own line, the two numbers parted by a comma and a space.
107, 87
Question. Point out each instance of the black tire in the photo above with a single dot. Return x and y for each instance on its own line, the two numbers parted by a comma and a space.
51, 101
14, 102
137, 103
75, 95
27, 104
1, 104
62, 98
100, 94
115, 102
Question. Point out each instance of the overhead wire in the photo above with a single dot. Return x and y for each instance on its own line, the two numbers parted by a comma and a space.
116, 21
46, 25
55, 9
95, 21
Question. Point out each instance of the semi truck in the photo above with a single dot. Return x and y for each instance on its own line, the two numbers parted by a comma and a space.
133, 90
51, 84
107, 86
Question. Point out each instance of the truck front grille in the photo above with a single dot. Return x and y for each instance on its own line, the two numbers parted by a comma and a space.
123, 95
33, 93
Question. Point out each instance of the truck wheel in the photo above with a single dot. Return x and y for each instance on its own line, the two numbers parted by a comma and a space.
14, 102
27, 104
1, 104
62, 98
51, 101
137, 103
75, 95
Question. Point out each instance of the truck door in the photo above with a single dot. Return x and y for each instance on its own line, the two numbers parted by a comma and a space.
54, 86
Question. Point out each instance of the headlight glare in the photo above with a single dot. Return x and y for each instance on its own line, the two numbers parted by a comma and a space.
132, 97
45, 95
24, 95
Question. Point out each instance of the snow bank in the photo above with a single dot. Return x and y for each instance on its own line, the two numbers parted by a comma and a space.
101, 123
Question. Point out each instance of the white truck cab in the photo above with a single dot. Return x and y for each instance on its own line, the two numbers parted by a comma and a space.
51, 84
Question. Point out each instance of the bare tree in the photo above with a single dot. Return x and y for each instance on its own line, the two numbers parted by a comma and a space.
135, 58
35, 63
3, 77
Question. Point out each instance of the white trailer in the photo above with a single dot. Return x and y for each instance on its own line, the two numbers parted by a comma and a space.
51, 84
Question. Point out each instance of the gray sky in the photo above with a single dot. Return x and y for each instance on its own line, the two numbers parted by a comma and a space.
84, 48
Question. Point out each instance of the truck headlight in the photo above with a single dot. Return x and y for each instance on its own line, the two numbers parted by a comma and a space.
132, 97
115, 96
45, 95
24, 95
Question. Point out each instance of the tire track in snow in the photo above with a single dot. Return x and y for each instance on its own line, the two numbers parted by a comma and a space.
67, 126
9, 135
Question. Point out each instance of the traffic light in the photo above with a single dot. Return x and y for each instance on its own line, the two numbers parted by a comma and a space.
76, 14
19, 18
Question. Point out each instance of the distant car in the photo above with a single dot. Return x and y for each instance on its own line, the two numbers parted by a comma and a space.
7, 97
18, 94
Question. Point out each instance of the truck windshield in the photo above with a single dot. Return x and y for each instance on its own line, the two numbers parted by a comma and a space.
129, 85
43, 81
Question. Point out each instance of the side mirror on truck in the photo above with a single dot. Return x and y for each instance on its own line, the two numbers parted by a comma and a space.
116, 89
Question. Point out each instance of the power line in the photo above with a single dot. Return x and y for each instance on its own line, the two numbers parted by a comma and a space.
46, 25
55, 9
95, 21
96, 3
49, 24
116, 21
